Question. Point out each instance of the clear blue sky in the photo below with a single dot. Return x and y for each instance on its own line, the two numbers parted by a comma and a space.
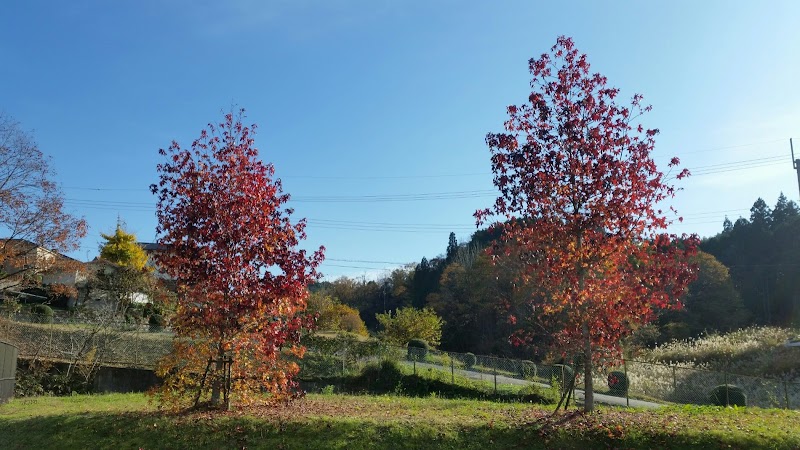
370, 98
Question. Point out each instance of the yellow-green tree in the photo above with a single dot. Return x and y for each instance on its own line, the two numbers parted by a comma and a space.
332, 315
121, 249
410, 323
125, 272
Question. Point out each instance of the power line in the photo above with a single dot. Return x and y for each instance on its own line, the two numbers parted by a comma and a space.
354, 267
383, 177
746, 161
366, 261
693, 152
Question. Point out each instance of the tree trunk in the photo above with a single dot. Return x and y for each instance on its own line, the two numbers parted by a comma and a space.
588, 390
219, 377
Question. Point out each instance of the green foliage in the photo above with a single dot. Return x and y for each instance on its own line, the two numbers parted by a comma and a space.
122, 249
469, 360
527, 370
473, 300
34, 378
134, 316
43, 313
418, 349
727, 395
390, 377
9, 306
328, 356
410, 323
761, 254
156, 322
618, 383
712, 303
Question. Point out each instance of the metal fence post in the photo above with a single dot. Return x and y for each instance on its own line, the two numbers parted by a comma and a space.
414, 358
725, 377
674, 381
786, 391
627, 381
495, 375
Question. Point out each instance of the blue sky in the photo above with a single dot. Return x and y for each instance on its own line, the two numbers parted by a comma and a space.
384, 98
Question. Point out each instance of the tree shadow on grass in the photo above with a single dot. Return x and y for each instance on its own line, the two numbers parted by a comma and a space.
155, 430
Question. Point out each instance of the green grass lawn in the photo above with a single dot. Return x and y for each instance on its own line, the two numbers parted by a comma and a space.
128, 421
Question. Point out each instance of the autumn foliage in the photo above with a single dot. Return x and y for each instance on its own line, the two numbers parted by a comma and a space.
580, 200
31, 212
233, 252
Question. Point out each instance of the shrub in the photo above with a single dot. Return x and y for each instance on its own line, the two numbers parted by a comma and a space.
469, 360
727, 395
133, 315
618, 383
44, 313
157, 322
527, 369
410, 323
418, 349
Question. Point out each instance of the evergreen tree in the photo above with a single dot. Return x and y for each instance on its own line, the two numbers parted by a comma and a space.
727, 225
423, 283
452, 247
760, 214
784, 210
762, 258
125, 272
121, 249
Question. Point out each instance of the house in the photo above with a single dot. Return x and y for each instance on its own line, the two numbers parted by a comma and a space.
151, 249
110, 290
25, 265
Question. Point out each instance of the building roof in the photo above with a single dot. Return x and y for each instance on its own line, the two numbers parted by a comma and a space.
151, 246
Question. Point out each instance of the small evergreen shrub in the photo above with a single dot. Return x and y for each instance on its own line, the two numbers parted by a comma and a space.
727, 395
618, 383
418, 349
469, 360
44, 313
157, 322
527, 369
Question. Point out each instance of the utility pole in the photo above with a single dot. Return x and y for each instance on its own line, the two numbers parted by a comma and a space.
795, 163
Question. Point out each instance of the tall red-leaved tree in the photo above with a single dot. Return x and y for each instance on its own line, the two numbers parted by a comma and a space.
579, 198
232, 248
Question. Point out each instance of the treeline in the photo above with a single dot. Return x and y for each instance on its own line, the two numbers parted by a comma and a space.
763, 256
748, 274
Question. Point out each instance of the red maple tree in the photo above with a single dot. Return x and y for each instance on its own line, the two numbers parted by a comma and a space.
579, 194
231, 247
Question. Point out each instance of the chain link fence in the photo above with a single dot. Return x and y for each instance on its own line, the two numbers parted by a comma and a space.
102, 342
647, 381
120, 344
681, 383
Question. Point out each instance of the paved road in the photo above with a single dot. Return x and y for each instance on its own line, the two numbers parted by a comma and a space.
502, 379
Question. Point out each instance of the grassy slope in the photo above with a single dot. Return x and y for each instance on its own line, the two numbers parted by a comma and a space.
353, 422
